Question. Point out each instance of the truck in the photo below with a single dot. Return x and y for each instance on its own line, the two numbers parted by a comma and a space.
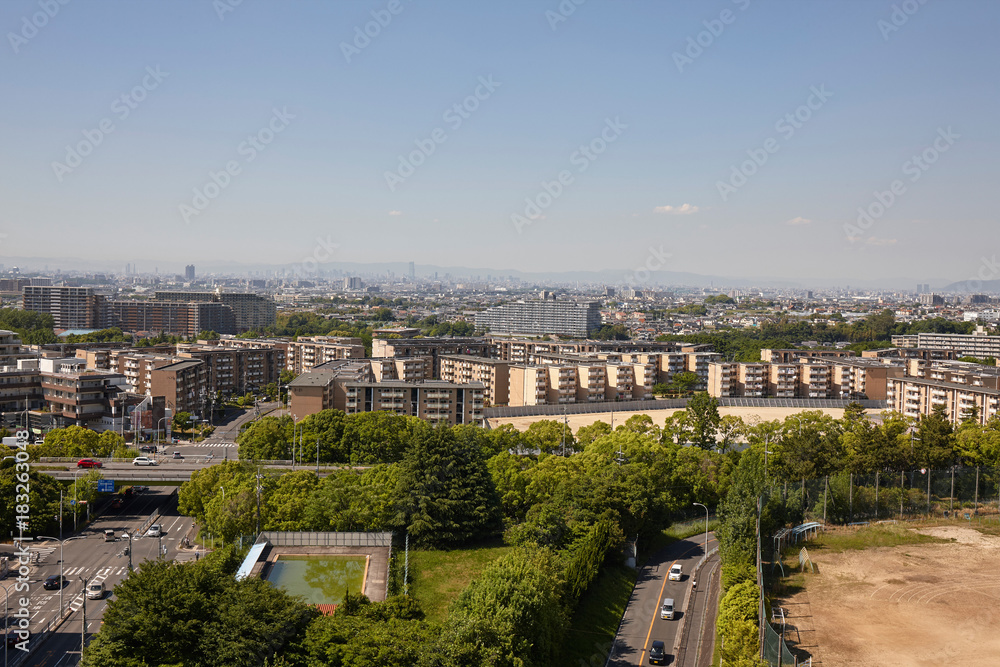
11, 442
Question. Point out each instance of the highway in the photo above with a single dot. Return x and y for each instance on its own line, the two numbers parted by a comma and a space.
641, 624
89, 555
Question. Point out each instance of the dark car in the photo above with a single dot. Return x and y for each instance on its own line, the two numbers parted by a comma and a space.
88, 463
13, 639
117, 504
149, 449
52, 583
657, 654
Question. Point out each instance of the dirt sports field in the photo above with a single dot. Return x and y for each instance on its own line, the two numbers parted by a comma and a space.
913, 605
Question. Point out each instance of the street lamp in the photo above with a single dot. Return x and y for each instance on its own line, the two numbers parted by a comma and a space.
706, 525
61, 564
158, 433
127, 536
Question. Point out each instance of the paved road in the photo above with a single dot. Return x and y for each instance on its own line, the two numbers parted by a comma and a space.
699, 627
91, 556
642, 624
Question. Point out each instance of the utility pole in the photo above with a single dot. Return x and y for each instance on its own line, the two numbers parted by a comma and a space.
83, 630
317, 454
406, 566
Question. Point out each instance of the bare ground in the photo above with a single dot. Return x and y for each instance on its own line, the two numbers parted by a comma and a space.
914, 605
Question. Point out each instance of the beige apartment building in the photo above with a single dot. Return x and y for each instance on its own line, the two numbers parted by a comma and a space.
408, 369
310, 351
958, 390
528, 385
492, 373
433, 348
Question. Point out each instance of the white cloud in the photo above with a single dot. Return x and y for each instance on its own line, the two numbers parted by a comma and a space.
395, 213
873, 240
683, 209
799, 221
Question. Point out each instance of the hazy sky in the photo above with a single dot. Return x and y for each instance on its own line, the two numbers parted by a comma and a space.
733, 137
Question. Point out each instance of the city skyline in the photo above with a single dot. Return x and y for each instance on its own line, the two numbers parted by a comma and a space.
821, 142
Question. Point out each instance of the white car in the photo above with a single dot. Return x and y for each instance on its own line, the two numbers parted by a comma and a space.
143, 461
95, 591
675, 573
154, 531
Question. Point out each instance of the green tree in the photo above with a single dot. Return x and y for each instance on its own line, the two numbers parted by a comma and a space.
182, 421
445, 495
684, 383
703, 415
549, 435
587, 434
510, 615
268, 438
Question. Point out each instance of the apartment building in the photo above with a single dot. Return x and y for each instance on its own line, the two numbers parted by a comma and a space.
910, 353
783, 380
493, 374
251, 312
561, 384
309, 352
184, 385
722, 379
21, 386
70, 307
814, 379
542, 317
279, 345
431, 400
432, 347
977, 344
137, 368
697, 362
528, 385
75, 395
408, 369
345, 385
917, 396
522, 350
789, 356
176, 318
235, 371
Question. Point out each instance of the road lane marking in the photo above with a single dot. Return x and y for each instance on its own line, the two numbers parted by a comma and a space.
663, 586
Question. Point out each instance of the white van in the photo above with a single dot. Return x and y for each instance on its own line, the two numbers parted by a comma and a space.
667, 610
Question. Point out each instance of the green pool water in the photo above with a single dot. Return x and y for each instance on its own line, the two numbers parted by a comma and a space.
319, 579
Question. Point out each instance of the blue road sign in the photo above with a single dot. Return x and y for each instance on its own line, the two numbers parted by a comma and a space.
105, 486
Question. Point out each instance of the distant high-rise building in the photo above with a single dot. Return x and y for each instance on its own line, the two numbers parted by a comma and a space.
70, 307
353, 283
570, 318
189, 272
412, 270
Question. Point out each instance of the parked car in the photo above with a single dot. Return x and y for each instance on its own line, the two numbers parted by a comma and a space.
88, 463
95, 590
52, 583
675, 573
667, 610
657, 653
143, 461
156, 530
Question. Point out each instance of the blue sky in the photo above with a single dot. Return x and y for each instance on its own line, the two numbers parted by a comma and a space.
333, 114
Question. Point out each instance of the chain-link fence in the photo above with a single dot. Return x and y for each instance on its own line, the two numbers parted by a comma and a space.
776, 652
847, 498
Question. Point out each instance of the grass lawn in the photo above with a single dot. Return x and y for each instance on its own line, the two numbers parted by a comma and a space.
868, 537
595, 622
437, 577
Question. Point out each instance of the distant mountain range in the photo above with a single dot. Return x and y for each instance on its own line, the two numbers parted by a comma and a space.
610, 277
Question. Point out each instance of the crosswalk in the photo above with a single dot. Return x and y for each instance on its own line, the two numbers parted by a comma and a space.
100, 575
213, 445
